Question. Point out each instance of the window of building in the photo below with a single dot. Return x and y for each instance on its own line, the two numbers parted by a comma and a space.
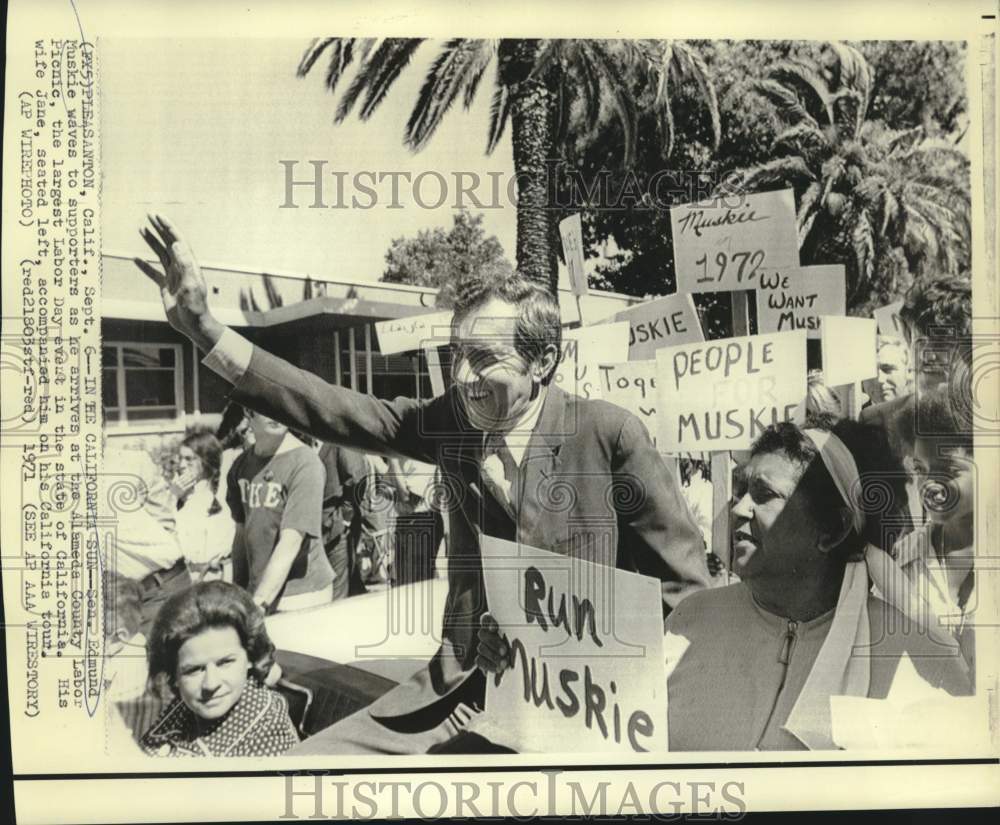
142, 382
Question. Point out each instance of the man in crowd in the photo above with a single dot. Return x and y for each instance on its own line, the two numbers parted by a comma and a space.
275, 494
527, 462
346, 471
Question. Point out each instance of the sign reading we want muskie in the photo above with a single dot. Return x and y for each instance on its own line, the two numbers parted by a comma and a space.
587, 672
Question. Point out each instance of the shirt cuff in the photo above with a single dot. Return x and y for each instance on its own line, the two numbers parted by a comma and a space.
230, 357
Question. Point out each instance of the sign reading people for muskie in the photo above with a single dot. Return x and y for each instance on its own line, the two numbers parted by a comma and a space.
658, 323
721, 395
583, 350
790, 299
586, 673
413, 332
728, 243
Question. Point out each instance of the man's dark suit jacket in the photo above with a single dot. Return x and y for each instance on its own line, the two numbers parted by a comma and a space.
593, 484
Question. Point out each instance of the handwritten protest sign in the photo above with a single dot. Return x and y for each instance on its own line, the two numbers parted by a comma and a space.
664, 321
587, 673
721, 395
583, 350
726, 244
887, 319
571, 232
632, 385
796, 298
848, 350
413, 332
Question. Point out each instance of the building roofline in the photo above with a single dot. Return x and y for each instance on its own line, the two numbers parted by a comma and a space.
301, 276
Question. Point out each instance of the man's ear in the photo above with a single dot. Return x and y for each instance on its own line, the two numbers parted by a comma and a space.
545, 363
831, 538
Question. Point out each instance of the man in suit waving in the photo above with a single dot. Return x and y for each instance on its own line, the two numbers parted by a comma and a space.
521, 459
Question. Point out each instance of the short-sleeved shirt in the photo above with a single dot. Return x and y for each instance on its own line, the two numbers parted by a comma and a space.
267, 494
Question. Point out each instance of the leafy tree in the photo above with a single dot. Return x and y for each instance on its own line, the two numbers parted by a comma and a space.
887, 204
442, 258
547, 89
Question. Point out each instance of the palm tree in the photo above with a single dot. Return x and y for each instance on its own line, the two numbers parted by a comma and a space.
546, 89
890, 205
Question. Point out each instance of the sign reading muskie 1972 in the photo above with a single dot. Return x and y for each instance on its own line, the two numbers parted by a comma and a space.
728, 243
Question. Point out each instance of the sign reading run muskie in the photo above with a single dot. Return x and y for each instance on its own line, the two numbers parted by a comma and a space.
587, 672
721, 395
728, 243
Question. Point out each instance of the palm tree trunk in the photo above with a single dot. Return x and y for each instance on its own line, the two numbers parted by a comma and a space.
532, 135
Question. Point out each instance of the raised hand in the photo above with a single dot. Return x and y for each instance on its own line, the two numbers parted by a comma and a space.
182, 287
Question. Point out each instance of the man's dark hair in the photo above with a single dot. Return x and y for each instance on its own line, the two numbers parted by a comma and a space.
539, 322
880, 475
934, 415
938, 306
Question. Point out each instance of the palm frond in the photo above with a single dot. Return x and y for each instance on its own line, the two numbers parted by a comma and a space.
441, 87
863, 244
312, 54
803, 138
855, 74
381, 70
499, 115
779, 170
620, 94
784, 100
693, 65
802, 76
477, 70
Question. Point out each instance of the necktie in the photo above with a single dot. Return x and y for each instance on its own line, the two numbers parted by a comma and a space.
501, 472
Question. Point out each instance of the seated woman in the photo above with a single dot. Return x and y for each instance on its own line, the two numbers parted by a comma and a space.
938, 556
205, 528
210, 645
753, 665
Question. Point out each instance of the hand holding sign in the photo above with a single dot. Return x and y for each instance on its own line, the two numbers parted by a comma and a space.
581, 666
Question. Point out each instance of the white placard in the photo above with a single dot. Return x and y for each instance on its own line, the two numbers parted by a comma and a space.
797, 298
888, 321
413, 332
849, 353
721, 395
632, 385
726, 244
588, 672
571, 232
662, 322
583, 349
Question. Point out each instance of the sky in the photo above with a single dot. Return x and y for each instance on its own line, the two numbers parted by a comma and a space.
196, 129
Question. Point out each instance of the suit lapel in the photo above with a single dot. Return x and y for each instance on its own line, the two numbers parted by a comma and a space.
540, 518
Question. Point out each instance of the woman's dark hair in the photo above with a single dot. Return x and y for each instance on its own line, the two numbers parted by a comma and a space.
935, 415
880, 474
209, 451
539, 322
200, 607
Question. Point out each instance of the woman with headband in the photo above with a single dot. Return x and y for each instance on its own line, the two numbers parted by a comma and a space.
752, 666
